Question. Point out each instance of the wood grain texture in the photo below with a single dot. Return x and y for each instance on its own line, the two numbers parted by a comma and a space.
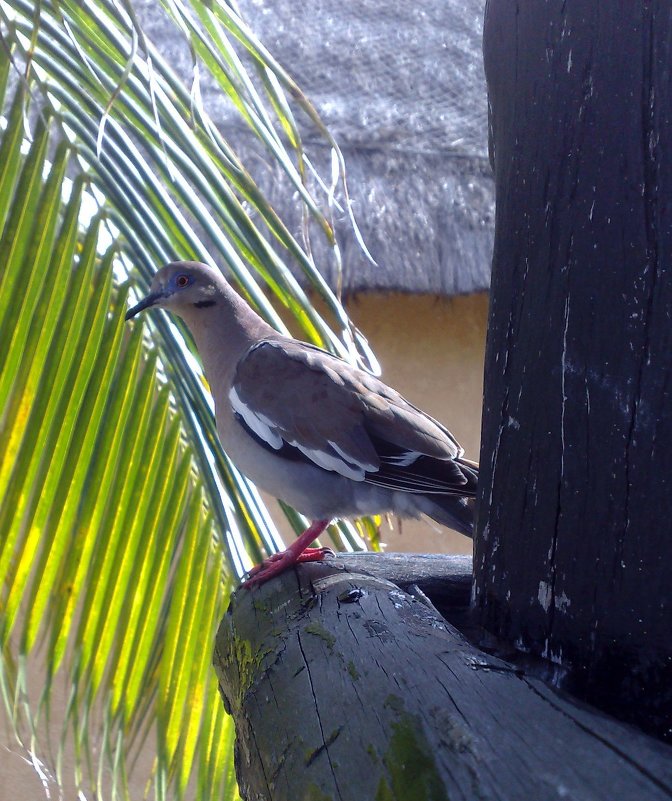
572, 555
342, 686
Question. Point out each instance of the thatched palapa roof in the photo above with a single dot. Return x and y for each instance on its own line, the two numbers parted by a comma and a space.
401, 87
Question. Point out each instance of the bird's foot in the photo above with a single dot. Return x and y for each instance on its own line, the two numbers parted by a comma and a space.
315, 554
280, 562
297, 552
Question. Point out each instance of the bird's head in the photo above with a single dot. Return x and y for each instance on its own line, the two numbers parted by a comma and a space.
180, 287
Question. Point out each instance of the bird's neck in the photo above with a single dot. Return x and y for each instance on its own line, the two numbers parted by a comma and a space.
223, 332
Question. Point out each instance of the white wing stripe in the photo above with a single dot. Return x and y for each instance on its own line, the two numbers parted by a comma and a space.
350, 459
331, 462
260, 424
337, 462
403, 459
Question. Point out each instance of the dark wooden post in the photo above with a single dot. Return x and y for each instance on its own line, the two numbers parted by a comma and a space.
575, 533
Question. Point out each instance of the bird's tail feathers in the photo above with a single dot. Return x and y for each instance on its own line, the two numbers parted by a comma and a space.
450, 510
455, 513
470, 472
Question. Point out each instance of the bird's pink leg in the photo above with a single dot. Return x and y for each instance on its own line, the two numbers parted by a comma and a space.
298, 551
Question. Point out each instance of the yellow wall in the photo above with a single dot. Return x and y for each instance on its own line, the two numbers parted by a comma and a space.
431, 350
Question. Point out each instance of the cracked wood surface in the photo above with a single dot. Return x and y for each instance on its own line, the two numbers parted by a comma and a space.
345, 687
575, 509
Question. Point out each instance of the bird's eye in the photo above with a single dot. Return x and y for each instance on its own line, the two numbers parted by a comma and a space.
181, 281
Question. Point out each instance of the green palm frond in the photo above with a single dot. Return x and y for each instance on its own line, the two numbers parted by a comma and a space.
171, 182
122, 522
108, 552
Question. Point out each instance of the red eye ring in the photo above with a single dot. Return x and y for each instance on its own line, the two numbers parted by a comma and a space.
181, 281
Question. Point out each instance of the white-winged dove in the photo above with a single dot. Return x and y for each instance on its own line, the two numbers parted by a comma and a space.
309, 428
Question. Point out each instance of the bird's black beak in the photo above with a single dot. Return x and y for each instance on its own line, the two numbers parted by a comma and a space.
145, 303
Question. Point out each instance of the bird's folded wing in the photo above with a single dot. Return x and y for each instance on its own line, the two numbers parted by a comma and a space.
340, 418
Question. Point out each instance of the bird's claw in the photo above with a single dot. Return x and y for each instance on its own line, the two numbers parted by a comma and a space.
315, 554
278, 563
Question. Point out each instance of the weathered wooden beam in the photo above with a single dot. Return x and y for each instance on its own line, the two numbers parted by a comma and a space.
343, 686
575, 508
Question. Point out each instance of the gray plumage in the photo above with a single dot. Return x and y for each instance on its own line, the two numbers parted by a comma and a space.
327, 438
